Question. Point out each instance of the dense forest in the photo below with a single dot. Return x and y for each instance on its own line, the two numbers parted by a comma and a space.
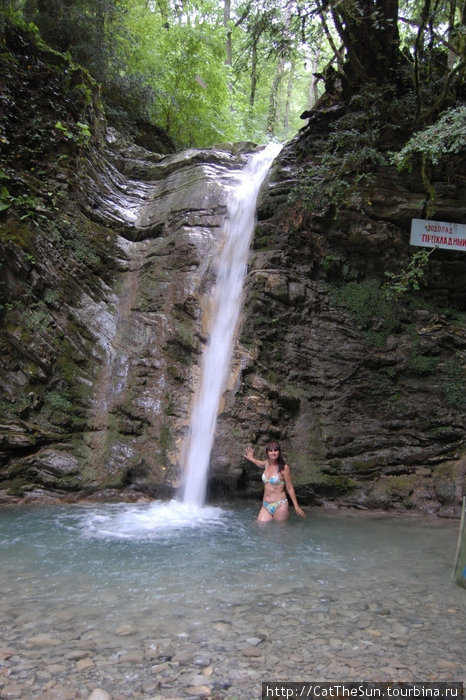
208, 72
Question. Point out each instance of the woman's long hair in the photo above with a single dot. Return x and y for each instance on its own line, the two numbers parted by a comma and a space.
276, 446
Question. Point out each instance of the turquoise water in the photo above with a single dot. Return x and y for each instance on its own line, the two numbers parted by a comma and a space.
349, 595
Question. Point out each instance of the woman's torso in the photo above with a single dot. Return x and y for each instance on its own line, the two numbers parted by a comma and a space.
274, 483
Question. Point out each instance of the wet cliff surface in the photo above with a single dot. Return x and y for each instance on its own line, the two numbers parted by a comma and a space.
98, 373
364, 389
107, 253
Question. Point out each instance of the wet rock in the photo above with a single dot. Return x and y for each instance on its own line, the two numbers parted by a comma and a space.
125, 630
131, 657
53, 469
76, 654
160, 668
252, 652
201, 660
43, 640
55, 669
374, 633
84, 664
6, 653
150, 688
201, 691
334, 364
183, 658
99, 694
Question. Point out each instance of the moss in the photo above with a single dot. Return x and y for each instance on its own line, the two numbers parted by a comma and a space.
368, 304
261, 243
335, 485
15, 487
165, 443
365, 466
8, 409
19, 233
84, 454
170, 406
453, 386
175, 373
422, 364
58, 401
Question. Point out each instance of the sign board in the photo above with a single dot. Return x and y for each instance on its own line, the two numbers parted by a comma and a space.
438, 234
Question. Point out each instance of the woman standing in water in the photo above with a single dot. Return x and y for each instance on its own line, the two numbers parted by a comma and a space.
276, 478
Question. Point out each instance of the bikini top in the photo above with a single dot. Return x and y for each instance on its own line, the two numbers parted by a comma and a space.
273, 481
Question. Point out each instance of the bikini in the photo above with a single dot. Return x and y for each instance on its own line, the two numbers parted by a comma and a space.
272, 506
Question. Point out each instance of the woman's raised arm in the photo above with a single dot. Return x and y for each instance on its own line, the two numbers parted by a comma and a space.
249, 454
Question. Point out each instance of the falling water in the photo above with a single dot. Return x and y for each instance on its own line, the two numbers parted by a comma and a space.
232, 266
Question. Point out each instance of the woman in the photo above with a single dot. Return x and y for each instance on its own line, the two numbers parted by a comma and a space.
276, 478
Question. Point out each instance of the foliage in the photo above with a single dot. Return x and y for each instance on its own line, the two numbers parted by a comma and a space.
206, 71
81, 134
26, 203
422, 364
445, 137
5, 198
410, 277
183, 64
454, 384
57, 401
348, 158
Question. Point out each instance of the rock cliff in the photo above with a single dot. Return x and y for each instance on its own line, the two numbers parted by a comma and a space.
106, 272
365, 392
97, 374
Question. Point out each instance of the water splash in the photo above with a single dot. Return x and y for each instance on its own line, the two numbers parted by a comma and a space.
232, 265
158, 520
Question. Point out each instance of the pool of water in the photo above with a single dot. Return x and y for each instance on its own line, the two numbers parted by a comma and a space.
168, 600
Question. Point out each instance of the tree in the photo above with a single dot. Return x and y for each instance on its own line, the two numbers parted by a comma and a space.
181, 56
209, 71
81, 28
368, 29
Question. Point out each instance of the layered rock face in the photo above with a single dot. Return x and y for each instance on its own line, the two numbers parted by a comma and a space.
169, 212
107, 268
97, 384
365, 393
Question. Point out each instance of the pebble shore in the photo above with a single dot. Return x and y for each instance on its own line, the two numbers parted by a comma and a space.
286, 636
338, 598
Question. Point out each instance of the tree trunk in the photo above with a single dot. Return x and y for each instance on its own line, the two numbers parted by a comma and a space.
252, 93
226, 23
313, 91
273, 100
369, 32
279, 71
289, 92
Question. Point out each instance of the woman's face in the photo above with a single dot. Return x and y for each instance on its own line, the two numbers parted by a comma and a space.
273, 452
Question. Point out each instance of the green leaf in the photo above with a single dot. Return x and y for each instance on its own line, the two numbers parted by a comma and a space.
5, 198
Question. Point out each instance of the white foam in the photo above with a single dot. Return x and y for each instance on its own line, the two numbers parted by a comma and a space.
154, 520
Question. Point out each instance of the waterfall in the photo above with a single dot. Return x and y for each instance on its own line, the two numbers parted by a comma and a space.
231, 270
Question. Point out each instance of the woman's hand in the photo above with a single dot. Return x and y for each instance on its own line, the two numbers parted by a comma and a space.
300, 512
249, 453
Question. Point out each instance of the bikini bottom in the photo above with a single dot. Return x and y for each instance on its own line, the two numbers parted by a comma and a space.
272, 506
